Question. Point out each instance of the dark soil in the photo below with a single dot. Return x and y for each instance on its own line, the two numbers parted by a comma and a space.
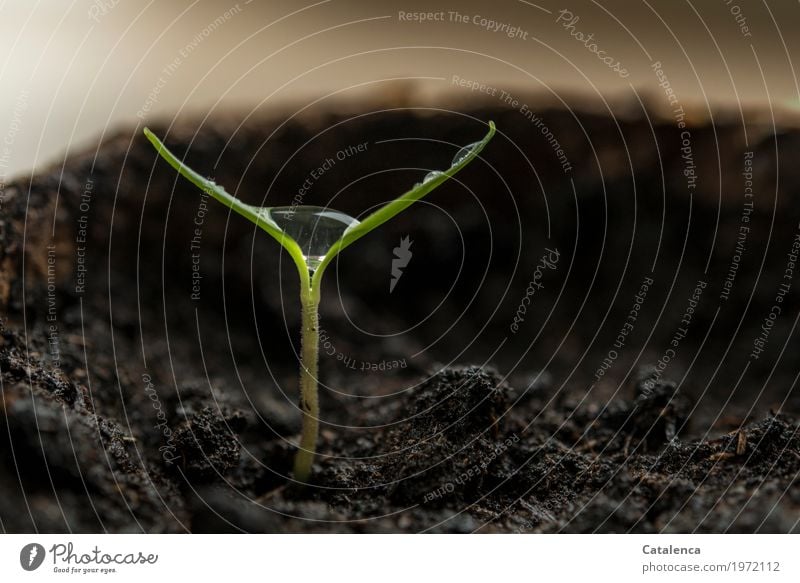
129, 406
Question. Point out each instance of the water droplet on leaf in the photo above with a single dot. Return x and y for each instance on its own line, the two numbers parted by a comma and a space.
464, 152
431, 175
315, 229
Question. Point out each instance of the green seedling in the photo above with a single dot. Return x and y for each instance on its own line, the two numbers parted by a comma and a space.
313, 236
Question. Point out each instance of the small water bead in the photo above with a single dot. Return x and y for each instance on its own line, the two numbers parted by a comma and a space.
464, 152
315, 229
431, 175
458, 158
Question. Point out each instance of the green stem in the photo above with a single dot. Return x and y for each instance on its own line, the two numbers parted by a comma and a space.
309, 399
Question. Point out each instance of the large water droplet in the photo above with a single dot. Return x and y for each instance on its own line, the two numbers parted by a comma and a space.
313, 228
464, 152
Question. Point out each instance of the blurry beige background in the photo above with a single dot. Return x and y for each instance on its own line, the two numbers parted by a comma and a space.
72, 70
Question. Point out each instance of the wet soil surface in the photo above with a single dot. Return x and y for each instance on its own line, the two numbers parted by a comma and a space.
148, 351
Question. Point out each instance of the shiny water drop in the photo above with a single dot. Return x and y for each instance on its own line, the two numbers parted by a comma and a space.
431, 175
313, 228
464, 152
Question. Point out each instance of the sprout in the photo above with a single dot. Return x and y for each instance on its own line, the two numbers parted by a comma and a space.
313, 236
